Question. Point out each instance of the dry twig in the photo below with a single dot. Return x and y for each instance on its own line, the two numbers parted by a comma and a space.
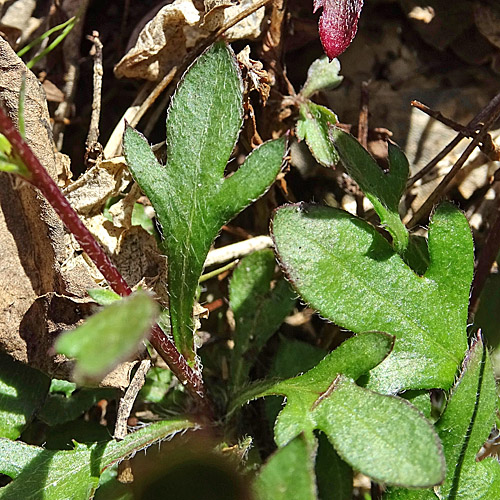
92, 146
483, 121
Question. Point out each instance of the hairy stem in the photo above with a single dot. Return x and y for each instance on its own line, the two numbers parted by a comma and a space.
40, 178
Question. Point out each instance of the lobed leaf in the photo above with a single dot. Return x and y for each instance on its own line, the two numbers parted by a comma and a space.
190, 195
349, 273
52, 475
110, 336
354, 357
258, 309
293, 357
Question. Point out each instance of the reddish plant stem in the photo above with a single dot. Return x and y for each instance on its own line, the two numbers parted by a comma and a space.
40, 178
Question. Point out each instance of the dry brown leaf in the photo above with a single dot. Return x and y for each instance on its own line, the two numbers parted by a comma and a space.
44, 290
90, 191
32, 238
18, 22
162, 43
255, 76
137, 257
176, 29
249, 28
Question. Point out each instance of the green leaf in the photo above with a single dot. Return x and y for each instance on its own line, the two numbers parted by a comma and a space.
417, 254
322, 75
383, 189
348, 272
190, 195
289, 473
258, 310
314, 125
158, 382
63, 436
384, 437
53, 475
59, 408
62, 386
103, 296
13, 165
354, 357
111, 489
404, 494
421, 399
5, 146
292, 358
333, 476
464, 427
22, 391
110, 336
141, 218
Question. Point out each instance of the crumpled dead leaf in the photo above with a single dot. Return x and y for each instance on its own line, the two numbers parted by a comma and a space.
90, 191
150, 59
220, 12
176, 29
32, 237
44, 288
254, 75
133, 250
18, 21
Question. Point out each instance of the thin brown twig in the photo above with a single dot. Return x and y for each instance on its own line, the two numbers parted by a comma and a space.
71, 50
441, 189
128, 399
470, 130
427, 168
486, 117
92, 146
437, 115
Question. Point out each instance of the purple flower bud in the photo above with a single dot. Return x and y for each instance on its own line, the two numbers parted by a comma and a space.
338, 24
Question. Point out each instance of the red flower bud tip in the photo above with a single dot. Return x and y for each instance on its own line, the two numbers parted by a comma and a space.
338, 24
